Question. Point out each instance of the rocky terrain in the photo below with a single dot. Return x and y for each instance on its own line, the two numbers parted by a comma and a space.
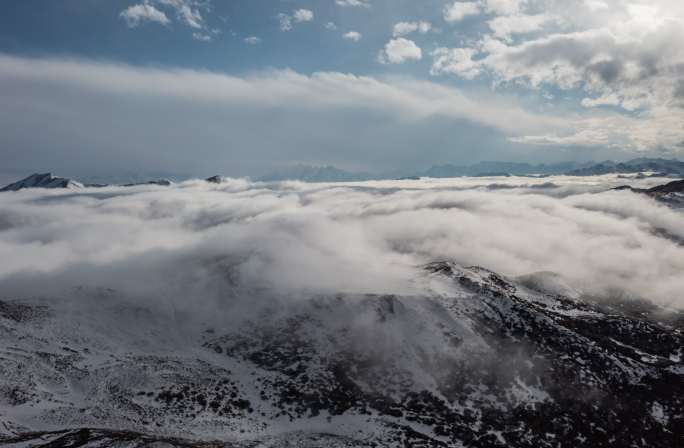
477, 360
671, 193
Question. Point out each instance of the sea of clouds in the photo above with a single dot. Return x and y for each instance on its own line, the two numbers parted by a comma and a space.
198, 243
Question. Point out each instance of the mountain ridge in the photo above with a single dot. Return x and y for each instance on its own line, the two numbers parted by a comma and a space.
477, 360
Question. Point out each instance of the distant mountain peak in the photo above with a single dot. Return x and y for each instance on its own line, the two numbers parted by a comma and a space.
308, 173
639, 165
42, 180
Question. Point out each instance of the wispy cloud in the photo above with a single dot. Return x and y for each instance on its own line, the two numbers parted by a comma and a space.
353, 36
404, 28
297, 16
186, 12
252, 40
353, 3
458, 11
138, 14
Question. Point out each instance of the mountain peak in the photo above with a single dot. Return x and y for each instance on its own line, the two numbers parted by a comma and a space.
42, 180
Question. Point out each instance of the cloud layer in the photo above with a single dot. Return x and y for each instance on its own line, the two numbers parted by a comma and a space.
198, 241
59, 111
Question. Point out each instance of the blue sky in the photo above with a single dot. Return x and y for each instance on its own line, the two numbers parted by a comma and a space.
245, 86
96, 29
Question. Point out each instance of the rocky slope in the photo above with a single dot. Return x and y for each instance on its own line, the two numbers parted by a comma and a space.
671, 193
478, 360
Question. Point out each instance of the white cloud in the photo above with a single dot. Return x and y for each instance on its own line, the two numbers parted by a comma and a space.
298, 16
353, 36
187, 11
137, 14
404, 28
330, 26
160, 112
202, 37
609, 99
626, 55
400, 50
460, 10
185, 240
596, 5
252, 40
303, 15
506, 26
504, 7
458, 61
353, 3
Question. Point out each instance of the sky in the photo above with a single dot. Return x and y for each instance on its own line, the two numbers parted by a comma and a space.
242, 87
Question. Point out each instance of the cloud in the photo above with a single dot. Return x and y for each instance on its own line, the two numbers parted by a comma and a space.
458, 11
506, 26
400, 50
596, 5
626, 55
186, 11
456, 61
303, 15
404, 28
353, 36
214, 242
120, 116
298, 16
285, 22
609, 99
330, 26
252, 40
137, 14
504, 7
202, 37
353, 3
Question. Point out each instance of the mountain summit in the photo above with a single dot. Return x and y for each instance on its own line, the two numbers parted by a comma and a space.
45, 180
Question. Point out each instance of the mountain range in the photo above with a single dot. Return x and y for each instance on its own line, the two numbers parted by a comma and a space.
477, 360
46, 180
668, 167
305, 173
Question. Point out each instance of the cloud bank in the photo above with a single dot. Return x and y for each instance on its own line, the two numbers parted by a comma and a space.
119, 116
621, 55
199, 243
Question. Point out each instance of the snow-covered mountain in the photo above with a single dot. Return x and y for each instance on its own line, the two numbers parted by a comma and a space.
475, 360
45, 180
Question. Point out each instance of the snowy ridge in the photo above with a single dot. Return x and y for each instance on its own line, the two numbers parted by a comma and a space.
46, 180
478, 360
